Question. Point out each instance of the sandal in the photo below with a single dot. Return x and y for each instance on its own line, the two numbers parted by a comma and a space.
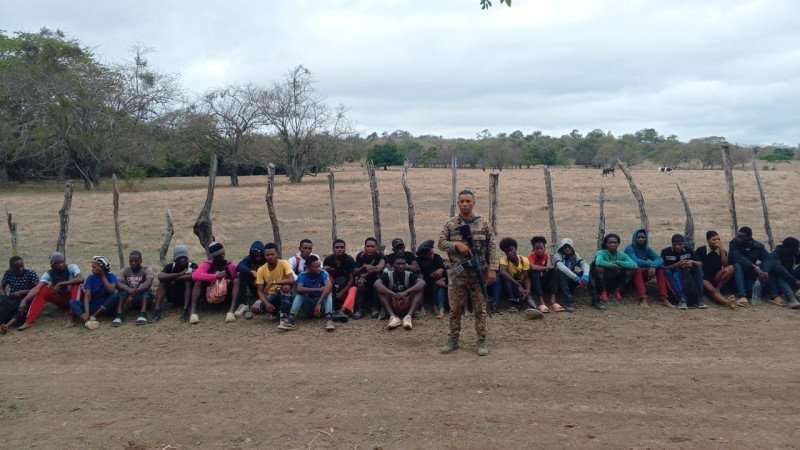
741, 302
544, 309
558, 308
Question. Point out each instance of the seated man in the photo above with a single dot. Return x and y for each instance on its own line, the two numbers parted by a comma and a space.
58, 286
217, 268
274, 280
314, 289
133, 289
369, 264
748, 258
399, 248
400, 293
649, 265
717, 270
541, 273
514, 275
298, 261
434, 274
340, 267
175, 283
247, 269
781, 280
573, 272
17, 283
611, 268
98, 298
679, 262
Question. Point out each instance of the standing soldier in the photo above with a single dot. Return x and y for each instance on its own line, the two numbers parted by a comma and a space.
465, 281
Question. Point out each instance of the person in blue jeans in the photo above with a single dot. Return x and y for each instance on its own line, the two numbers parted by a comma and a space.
679, 261
97, 294
750, 262
314, 296
781, 279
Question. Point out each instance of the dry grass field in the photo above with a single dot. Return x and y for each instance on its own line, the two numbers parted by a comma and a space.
624, 378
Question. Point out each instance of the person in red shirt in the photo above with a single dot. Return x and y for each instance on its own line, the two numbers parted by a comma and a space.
542, 273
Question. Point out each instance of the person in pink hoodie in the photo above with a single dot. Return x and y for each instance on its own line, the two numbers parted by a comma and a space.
217, 268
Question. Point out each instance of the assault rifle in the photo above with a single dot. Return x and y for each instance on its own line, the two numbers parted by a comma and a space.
475, 263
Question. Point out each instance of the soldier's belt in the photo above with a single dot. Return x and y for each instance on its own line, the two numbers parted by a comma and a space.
471, 263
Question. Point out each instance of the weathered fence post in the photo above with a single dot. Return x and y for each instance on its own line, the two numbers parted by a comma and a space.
689, 231
453, 190
12, 228
273, 218
116, 221
162, 254
412, 230
376, 202
601, 228
332, 188
636, 193
728, 168
551, 210
203, 227
63, 214
767, 225
494, 181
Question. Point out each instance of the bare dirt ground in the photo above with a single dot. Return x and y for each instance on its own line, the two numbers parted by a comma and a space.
627, 377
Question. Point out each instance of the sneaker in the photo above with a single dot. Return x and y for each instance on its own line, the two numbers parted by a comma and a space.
569, 308
394, 322
92, 324
604, 296
184, 315
117, 321
141, 320
742, 302
375, 313
451, 344
358, 314
701, 303
248, 315
778, 301
599, 305
241, 310
383, 315
512, 309
664, 301
407, 323
155, 315
794, 304
482, 350
643, 303
287, 325
194, 319
329, 326
230, 317
340, 316
618, 295
683, 305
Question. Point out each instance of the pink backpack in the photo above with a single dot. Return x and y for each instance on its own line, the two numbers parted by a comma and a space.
217, 292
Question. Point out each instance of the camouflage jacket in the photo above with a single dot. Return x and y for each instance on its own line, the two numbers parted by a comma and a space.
482, 234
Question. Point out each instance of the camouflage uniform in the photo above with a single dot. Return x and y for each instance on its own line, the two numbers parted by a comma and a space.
460, 285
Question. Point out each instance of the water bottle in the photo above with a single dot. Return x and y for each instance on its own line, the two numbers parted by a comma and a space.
756, 298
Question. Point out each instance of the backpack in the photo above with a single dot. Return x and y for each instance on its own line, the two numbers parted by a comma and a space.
391, 279
217, 292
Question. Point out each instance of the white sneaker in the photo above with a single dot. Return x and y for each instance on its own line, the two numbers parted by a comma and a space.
248, 315
407, 322
194, 319
230, 317
92, 324
241, 310
394, 322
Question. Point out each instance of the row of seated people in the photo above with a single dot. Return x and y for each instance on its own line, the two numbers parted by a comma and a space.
341, 287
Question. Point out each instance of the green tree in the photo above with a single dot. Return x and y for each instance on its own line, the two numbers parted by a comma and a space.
385, 155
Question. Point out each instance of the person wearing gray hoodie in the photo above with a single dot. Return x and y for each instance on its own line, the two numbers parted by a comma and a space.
649, 265
573, 272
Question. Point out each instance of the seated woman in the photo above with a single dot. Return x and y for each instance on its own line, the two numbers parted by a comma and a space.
611, 268
541, 273
97, 295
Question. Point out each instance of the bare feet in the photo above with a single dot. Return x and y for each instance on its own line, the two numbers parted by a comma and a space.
71, 323
3, 329
25, 326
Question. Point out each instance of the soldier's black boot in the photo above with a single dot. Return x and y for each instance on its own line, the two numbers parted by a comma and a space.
451, 344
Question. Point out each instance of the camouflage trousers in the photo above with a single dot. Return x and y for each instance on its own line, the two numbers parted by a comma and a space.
459, 290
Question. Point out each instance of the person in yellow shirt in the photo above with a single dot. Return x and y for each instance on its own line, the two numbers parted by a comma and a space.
514, 275
274, 281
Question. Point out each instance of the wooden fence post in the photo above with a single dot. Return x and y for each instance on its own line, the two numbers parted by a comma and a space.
63, 214
12, 228
412, 230
494, 181
601, 229
376, 202
636, 193
454, 194
689, 231
332, 188
728, 168
767, 225
116, 222
273, 217
162, 254
203, 227
551, 210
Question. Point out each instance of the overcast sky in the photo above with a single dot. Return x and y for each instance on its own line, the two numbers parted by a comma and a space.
445, 67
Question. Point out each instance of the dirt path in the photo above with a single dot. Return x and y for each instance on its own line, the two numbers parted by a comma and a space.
629, 377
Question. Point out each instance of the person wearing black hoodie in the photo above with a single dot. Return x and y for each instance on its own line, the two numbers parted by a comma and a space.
247, 268
750, 261
781, 279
